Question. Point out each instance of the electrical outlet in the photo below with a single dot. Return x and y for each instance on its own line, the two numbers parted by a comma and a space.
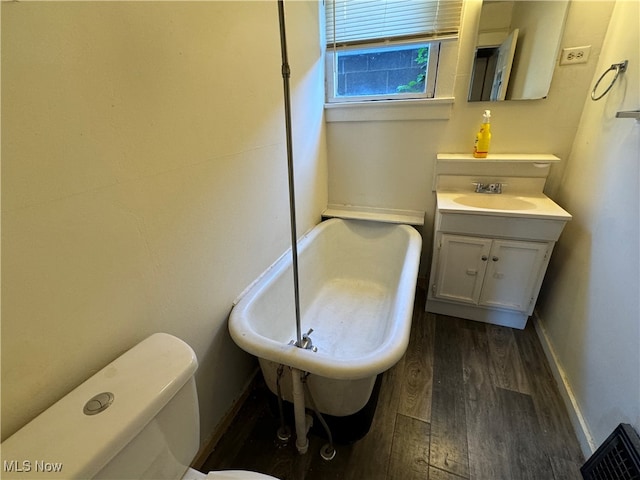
573, 55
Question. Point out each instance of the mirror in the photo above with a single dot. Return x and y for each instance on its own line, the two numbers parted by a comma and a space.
516, 49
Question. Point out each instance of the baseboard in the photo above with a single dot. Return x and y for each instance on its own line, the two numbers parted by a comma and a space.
210, 443
587, 443
505, 318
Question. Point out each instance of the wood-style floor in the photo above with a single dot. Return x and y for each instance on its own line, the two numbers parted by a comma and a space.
467, 401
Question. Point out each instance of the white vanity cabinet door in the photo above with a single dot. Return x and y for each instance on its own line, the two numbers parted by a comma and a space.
492, 273
513, 274
461, 267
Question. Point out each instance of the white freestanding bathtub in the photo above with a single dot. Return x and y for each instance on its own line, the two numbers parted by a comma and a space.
357, 284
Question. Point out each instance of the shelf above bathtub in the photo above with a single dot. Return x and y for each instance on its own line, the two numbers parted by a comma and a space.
386, 215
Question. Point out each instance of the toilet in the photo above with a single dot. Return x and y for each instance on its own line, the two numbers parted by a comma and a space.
137, 418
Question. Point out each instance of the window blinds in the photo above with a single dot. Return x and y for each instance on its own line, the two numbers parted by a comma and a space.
366, 21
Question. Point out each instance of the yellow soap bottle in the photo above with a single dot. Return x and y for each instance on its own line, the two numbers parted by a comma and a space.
483, 137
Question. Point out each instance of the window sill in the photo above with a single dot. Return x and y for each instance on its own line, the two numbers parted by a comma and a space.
389, 110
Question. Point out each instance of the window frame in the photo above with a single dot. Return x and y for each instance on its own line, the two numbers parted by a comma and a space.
446, 31
430, 78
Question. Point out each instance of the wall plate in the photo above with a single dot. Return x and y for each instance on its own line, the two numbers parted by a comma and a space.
574, 55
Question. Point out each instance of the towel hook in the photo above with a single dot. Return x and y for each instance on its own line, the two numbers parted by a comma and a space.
619, 68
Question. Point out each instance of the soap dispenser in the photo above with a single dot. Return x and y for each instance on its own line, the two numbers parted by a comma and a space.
483, 137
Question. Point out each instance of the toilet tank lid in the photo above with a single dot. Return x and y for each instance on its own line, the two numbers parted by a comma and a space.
142, 381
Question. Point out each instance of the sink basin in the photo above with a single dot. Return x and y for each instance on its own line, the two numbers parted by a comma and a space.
494, 202
521, 204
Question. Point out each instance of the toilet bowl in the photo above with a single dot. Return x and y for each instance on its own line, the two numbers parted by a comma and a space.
226, 475
137, 418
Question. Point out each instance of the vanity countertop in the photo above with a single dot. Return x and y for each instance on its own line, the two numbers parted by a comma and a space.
528, 205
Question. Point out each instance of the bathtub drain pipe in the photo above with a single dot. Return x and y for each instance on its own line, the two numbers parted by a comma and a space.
286, 73
284, 432
328, 451
303, 421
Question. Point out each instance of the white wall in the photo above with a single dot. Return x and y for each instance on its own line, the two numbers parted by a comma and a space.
144, 182
590, 307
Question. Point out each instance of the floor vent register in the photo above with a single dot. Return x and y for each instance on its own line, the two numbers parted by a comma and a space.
618, 458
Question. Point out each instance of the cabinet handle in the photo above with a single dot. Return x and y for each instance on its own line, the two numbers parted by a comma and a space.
495, 259
484, 258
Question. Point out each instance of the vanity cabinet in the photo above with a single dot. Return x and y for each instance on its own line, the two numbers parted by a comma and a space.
489, 268
491, 250
492, 273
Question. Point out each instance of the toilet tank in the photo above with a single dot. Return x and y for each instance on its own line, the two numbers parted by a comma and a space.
150, 429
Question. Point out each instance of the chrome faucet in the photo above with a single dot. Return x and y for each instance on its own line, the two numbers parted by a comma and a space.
305, 342
488, 187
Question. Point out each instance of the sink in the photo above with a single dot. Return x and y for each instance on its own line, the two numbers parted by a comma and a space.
512, 205
494, 201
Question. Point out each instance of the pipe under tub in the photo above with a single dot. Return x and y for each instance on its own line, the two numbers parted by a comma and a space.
303, 421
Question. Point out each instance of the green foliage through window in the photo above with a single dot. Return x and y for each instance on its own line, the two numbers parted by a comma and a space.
417, 85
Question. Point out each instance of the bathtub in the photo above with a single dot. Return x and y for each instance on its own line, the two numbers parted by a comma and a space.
357, 283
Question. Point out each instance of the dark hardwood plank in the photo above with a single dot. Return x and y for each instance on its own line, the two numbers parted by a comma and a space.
557, 431
254, 446
437, 474
486, 432
448, 419
370, 456
320, 469
526, 451
417, 388
230, 446
506, 366
262, 453
565, 469
410, 450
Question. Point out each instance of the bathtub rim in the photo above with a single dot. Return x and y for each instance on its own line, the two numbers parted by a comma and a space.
379, 360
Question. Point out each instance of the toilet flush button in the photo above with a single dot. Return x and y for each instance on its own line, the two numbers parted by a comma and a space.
98, 403
92, 406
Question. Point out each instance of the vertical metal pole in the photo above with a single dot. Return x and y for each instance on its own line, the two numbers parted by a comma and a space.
286, 73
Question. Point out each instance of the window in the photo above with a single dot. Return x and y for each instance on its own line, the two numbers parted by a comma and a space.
386, 49
400, 71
